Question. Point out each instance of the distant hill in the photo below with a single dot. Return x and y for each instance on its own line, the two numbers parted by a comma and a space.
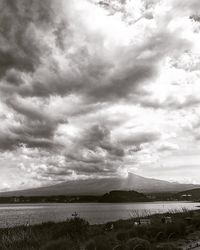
193, 194
102, 186
123, 196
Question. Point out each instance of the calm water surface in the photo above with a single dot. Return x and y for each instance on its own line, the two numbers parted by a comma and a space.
19, 214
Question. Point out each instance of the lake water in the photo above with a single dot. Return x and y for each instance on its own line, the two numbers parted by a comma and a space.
20, 214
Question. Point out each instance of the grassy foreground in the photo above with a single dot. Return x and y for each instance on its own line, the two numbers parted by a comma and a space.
76, 234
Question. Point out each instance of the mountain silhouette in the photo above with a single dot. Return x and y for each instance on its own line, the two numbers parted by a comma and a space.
104, 185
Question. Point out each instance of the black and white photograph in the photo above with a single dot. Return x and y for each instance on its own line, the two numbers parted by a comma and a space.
99, 124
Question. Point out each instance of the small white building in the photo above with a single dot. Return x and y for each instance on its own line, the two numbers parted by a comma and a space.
144, 221
168, 219
186, 195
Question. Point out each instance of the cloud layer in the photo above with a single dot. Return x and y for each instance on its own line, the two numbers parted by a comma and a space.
91, 89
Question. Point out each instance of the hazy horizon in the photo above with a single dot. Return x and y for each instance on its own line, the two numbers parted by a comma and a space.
94, 89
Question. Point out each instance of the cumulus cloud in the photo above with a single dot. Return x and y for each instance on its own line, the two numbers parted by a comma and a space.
89, 88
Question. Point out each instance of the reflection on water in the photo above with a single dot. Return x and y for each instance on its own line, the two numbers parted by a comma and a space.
19, 214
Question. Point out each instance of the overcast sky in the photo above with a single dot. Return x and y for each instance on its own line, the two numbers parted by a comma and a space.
92, 89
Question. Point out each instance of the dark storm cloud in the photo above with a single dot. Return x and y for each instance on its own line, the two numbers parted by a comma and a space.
95, 152
24, 46
92, 159
18, 47
35, 112
21, 49
28, 110
103, 81
99, 136
196, 17
17, 137
122, 85
31, 142
91, 73
34, 127
29, 132
134, 67
140, 138
95, 169
13, 77
10, 59
54, 172
8, 141
34, 133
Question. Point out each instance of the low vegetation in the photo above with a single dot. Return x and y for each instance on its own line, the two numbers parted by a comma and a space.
76, 234
123, 196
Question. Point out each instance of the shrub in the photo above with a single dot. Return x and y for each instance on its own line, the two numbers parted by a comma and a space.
17, 238
103, 243
196, 222
133, 233
77, 226
61, 244
122, 236
138, 244
176, 229
157, 231
74, 227
166, 246
90, 245
120, 247
123, 224
142, 230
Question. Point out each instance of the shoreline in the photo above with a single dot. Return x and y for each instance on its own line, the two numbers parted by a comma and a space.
181, 230
100, 202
